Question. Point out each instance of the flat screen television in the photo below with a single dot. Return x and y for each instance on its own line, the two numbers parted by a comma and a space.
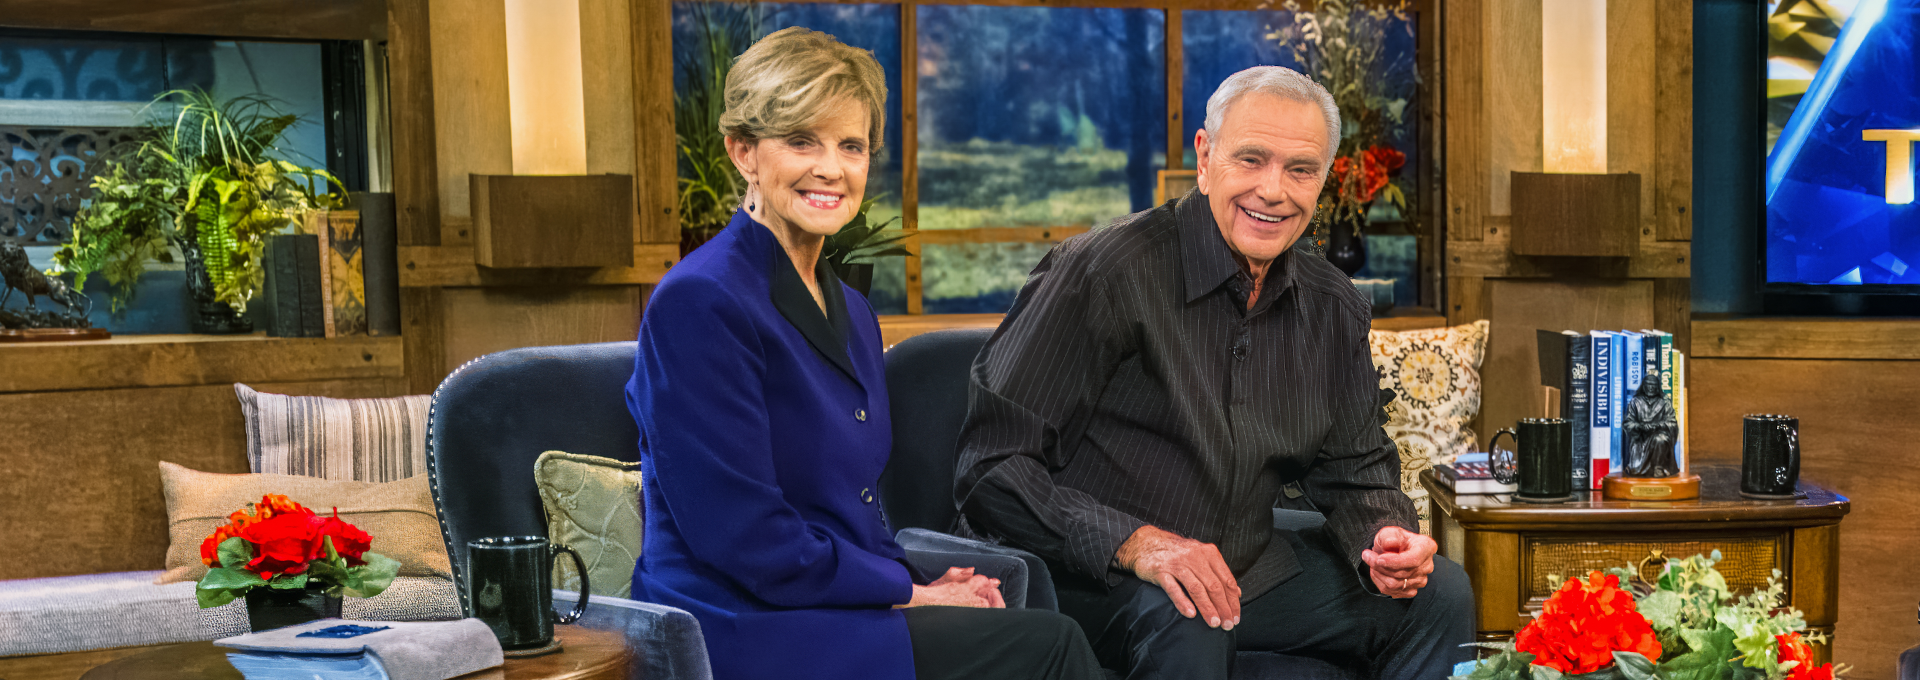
1842, 117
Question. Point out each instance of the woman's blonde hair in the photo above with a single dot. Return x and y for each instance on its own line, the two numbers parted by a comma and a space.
785, 82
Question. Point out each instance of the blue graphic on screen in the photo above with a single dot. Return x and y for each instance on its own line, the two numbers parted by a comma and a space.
1839, 182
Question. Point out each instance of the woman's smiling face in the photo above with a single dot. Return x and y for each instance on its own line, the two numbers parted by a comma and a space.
812, 179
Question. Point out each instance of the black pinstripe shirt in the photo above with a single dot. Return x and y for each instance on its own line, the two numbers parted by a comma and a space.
1131, 385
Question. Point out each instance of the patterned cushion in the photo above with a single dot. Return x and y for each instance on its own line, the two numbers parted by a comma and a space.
125, 609
593, 506
1435, 377
399, 515
367, 440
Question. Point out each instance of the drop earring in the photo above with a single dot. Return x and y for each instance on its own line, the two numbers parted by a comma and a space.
753, 197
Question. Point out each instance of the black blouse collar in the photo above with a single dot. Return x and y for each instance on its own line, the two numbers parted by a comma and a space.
827, 333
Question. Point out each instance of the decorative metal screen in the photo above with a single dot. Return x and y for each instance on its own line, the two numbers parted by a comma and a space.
45, 176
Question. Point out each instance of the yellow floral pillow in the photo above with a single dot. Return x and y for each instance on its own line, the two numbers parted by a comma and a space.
1435, 377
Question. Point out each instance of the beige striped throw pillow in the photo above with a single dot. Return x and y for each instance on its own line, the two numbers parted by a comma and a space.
366, 440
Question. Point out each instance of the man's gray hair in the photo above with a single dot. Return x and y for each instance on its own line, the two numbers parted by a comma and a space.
1282, 82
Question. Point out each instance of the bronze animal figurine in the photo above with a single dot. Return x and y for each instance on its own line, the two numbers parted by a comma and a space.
20, 275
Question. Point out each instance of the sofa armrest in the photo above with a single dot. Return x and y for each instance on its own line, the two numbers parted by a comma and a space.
668, 640
1025, 581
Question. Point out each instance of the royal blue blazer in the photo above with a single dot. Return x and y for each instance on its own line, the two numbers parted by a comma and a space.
764, 428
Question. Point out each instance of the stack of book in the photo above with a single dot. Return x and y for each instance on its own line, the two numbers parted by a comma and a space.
1596, 374
1470, 474
338, 276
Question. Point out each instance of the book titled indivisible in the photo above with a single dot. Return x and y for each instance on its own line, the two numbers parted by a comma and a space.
365, 650
1471, 474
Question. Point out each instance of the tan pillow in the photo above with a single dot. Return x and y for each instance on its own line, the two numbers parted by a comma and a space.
1435, 378
399, 515
593, 506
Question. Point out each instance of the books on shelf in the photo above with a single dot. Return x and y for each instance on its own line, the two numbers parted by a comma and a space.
366, 650
1470, 474
1598, 373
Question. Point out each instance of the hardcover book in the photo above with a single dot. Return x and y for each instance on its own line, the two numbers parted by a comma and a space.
345, 263
1617, 380
380, 261
312, 293
1470, 473
1604, 387
1577, 406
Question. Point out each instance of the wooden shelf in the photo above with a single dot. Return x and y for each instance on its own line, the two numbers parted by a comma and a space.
1806, 338
183, 360
438, 266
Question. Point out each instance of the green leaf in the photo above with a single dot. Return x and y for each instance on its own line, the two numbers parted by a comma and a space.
235, 552
288, 582
374, 576
215, 598
224, 578
1712, 656
1662, 609
1633, 666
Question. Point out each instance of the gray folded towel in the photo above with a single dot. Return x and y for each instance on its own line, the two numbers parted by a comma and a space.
435, 650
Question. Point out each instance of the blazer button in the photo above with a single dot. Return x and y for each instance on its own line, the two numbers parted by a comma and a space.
866, 495
860, 414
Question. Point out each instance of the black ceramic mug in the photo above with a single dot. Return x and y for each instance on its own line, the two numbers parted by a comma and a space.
510, 583
1543, 467
1770, 457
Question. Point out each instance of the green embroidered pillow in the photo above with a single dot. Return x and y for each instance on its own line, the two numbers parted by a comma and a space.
593, 506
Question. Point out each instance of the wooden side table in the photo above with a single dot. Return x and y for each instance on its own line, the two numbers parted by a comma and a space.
1509, 549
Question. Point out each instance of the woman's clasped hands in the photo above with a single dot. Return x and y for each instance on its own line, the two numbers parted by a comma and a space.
959, 587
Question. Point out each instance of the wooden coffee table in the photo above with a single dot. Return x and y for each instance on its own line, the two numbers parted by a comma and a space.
1509, 549
587, 655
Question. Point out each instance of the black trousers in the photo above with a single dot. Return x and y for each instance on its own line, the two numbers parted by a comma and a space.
1324, 613
963, 643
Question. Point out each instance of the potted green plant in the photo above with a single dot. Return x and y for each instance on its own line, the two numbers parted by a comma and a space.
709, 186
852, 250
200, 182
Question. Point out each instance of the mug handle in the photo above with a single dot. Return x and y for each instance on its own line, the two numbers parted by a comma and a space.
579, 606
1502, 467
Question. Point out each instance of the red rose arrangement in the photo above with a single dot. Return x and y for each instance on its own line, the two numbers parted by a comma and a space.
1792, 648
1584, 623
1376, 167
280, 544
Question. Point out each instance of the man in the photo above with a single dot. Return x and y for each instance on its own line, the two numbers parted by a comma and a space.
1161, 384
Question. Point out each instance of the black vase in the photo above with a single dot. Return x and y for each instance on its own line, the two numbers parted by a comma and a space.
270, 608
210, 316
1347, 242
857, 276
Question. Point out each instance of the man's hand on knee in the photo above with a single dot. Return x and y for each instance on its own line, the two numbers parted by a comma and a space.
1400, 561
1194, 575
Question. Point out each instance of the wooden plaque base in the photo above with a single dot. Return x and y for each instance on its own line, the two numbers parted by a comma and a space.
1684, 487
53, 334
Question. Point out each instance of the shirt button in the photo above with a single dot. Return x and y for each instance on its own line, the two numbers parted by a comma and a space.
866, 495
860, 414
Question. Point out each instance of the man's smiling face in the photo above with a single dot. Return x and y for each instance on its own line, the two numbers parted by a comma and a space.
1262, 173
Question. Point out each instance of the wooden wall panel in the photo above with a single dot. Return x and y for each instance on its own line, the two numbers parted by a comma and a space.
1510, 375
177, 360
473, 132
1858, 434
416, 174
1511, 58
1630, 86
606, 72
1673, 123
291, 19
654, 163
479, 321
1463, 108
84, 478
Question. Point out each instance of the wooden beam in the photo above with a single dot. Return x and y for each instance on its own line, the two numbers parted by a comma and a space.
279, 19
910, 150
1673, 311
999, 235
1492, 259
432, 266
180, 360
416, 174
1673, 121
1463, 111
1806, 338
473, 127
657, 196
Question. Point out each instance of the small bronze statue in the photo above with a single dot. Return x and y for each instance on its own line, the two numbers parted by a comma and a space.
19, 274
1651, 431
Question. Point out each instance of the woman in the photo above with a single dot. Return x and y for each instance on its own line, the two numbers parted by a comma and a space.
762, 406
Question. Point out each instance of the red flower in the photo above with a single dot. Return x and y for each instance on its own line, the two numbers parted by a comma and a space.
348, 540
284, 542
1584, 623
1375, 169
1792, 648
